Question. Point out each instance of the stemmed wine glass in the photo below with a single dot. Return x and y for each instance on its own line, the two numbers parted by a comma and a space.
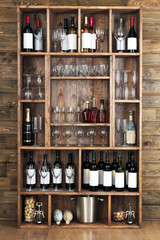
27, 92
70, 115
134, 81
63, 34
55, 39
79, 134
118, 127
39, 83
124, 129
67, 134
98, 35
35, 130
91, 133
56, 134
43, 172
78, 113
125, 89
56, 172
40, 130
103, 133
30, 174
118, 84
56, 112
102, 36
70, 172
63, 111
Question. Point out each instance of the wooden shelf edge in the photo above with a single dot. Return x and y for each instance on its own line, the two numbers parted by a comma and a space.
59, 147
127, 101
81, 124
32, 101
81, 78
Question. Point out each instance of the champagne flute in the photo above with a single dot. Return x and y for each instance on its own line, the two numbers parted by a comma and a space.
134, 81
35, 130
124, 129
118, 127
40, 129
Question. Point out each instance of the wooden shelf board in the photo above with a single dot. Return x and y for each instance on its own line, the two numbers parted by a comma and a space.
62, 147
123, 225
32, 101
33, 225
81, 78
127, 101
33, 53
126, 148
81, 124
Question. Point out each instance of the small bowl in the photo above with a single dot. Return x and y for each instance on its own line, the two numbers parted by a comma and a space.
119, 216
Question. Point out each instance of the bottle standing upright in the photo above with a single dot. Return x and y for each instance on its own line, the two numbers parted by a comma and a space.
86, 171
114, 167
27, 129
65, 41
131, 131
72, 37
86, 36
93, 36
128, 164
27, 37
100, 170
132, 176
120, 37
119, 176
70, 173
93, 176
107, 174
57, 172
38, 38
132, 38
45, 174
30, 172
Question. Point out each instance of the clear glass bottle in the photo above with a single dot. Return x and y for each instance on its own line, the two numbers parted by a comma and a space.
100, 170
119, 176
72, 37
38, 38
93, 176
132, 176
107, 174
120, 37
86, 113
131, 131
94, 112
86, 171
102, 112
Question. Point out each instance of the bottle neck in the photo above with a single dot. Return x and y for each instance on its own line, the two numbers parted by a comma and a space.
87, 105
91, 21
87, 156
86, 21
38, 23
65, 23
93, 158
114, 157
70, 159
132, 22
72, 21
28, 119
130, 118
45, 160
101, 156
101, 106
107, 157
94, 103
31, 156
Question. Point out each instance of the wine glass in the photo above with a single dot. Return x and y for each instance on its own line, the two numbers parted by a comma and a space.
43, 174
27, 92
55, 39
125, 89
67, 134
102, 36
56, 172
79, 134
103, 133
69, 172
70, 114
134, 81
63, 112
35, 130
118, 127
118, 84
39, 84
91, 133
78, 113
124, 129
56, 112
98, 33
63, 34
40, 129
30, 174
56, 134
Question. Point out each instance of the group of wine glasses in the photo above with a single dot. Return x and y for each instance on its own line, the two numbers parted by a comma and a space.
80, 133
121, 126
66, 115
100, 36
122, 88
58, 35
37, 127
34, 89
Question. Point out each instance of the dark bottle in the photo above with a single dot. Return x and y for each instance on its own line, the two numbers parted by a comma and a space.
65, 41
132, 38
93, 36
45, 174
93, 176
86, 171
86, 113
72, 37
27, 129
30, 172
27, 37
132, 176
119, 176
128, 164
100, 169
57, 172
70, 173
114, 167
102, 112
107, 174
38, 38
94, 112
86, 36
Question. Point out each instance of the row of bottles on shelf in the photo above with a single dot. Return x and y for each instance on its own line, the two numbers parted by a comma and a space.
103, 175
91, 37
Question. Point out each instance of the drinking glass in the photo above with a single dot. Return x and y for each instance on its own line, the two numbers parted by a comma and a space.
102, 36
59, 70
78, 113
27, 91
124, 129
40, 130
35, 130
30, 173
98, 35
103, 133
56, 112
43, 172
125, 81
63, 34
55, 39
134, 81
56, 173
94, 70
40, 85
84, 70
63, 112
69, 172
91, 133
102, 70
66, 70
118, 84
79, 134
70, 114
67, 134
56, 134
118, 127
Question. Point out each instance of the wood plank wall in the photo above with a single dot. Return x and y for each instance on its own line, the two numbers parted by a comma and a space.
151, 101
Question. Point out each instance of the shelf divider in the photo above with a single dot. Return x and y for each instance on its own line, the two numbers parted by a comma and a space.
109, 210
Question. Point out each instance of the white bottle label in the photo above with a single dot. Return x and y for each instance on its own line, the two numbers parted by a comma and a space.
38, 42
132, 180
69, 172
127, 177
121, 44
65, 44
28, 40
132, 43
86, 176
93, 41
86, 40
45, 178
107, 178
119, 180
72, 41
113, 177
32, 178
100, 177
93, 178
130, 137
57, 175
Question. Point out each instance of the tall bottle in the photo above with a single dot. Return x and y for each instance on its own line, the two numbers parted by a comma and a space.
27, 129
93, 176
30, 171
86, 36
102, 112
65, 41
93, 36
119, 176
132, 38
131, 131
27, 36
86, 171
38, 38
100, 169
107, 174
72, 37
86, 113
57, 172
128, 164
120, 37
94, 112
45, 181
70, 173
132, 176
114, 167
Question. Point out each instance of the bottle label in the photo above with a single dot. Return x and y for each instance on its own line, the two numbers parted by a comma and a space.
65, 43
119, 180
127, 177
70, 175
121, 44
93, 41
93, 178
72, 41
28, 40
86, 176
45, 178
38, 42
31, 176
86, 40
100, 177
131, 137
57, 175
132, 180
132, 43
113, 177
107, 178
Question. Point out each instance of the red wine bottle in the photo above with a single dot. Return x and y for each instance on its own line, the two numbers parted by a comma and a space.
31, 171
38, 38
86, 171
100, 170
93, 36
93, 176
27, 37
132, 38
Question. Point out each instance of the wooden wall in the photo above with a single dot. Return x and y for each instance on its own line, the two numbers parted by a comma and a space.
151, 101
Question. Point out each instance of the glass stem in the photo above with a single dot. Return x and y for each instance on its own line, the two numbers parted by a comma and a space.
55, 46
124, 138
35, 138
103, 141
40, 137
91, 141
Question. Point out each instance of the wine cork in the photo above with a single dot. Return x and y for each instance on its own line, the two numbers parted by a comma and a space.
29, 209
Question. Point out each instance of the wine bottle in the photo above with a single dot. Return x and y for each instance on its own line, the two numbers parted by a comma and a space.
86, 171
38, 38
27, 129
31, 171
70, 173
120, 37
86, 36
93, 36
57, 172
65, 41
128, 164
94, 112
72, 37
132, 38
100, 170
45, 171
27, 37
102, 112
107, 174
86, 113
93, 176
131, 131
114, 167
132, 176
119, 176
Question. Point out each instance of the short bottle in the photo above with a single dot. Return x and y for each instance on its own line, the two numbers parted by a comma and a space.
86, 113
57, 172
70, 173
114, 167
65, 41
27, 36
86, 171
93, 177
72, 37
45, 171
132, 38
86, 36
119, 176
38, 38
107, 174
93, 36
102, 112
128, 164
27, 129
132, 176
120, 37
30, 171
94, 112
131, 131
100, 170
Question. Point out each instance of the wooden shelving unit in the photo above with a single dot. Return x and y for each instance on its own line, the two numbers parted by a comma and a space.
58, 93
